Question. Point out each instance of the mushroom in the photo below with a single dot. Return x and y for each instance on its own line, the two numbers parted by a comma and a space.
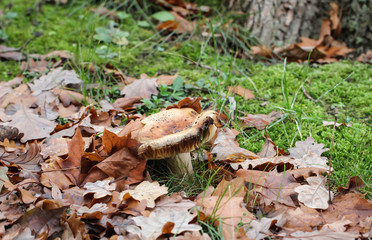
172, 134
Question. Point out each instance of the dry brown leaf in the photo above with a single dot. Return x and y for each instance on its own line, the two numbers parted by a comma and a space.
126, 102
54, 79
365, 57
314, 195
122, 163
262, 51
144, 88
322, 235
100, 188
260, 120
145, 191
272, 186
31, 125
10, 53
163, 221
102, 11
73, 162
260, 229
52, 173
193, 236
355, 183
241, 91
188, 102
69, 97
179, 25
329, 123
351, 206
166, 79
301, 219
227, 203
227, 149
265, 164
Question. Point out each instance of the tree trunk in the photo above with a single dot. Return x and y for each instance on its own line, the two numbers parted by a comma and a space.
282, 22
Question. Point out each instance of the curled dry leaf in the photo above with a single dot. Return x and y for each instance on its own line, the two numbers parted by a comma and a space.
9, 133
163, 221
145, 191
260, 121
10, 53
314, 195
227, 149
260, 229
100, 188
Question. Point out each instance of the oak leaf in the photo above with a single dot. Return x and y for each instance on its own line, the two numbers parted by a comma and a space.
148, 191
227, 149
55, 78
163, 221
100, 188
314, 195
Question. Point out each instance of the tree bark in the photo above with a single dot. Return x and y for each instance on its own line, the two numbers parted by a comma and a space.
282, 22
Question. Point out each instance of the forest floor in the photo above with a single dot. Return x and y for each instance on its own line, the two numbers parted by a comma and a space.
306, 94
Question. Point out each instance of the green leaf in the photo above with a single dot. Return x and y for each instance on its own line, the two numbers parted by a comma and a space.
123, 15
103, 37
177, 83
143, 24
163, 16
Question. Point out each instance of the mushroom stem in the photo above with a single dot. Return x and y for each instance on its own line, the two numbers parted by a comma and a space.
181, 164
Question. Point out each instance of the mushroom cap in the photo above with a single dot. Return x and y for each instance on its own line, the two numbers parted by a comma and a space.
175, 131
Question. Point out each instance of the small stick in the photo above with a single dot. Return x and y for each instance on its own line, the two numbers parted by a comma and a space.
308, 96
330, 162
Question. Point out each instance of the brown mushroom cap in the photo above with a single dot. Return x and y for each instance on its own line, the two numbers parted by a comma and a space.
175, 131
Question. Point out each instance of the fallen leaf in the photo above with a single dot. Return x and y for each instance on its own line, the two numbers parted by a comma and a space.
166, 79
260, 121
126, 102
31, 125
192, 235
227, 204
27, 157
55, 78
69, 97
365, 57
265, 164
153, 226
352, 207
301, 219
323, 235
10, 53
100, 188
241, 91
328, 123
272, 186
226, 148
52, 172
314, 195
10, 133
73, 162
3, 176
260, 229
355, 183
143, 88
145, 191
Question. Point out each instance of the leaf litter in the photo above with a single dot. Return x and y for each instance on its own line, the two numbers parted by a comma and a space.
85, 180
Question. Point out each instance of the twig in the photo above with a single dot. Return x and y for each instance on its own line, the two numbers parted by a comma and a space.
56, 170
308, 96
330, 162
21, 47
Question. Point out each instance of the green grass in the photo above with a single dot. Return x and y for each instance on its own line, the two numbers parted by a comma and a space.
72, 27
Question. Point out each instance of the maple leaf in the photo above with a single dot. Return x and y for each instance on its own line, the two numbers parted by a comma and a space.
148, 191
227, 149
55, 78
163, 221
314, 195
100, 188
141, 88
31, 125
